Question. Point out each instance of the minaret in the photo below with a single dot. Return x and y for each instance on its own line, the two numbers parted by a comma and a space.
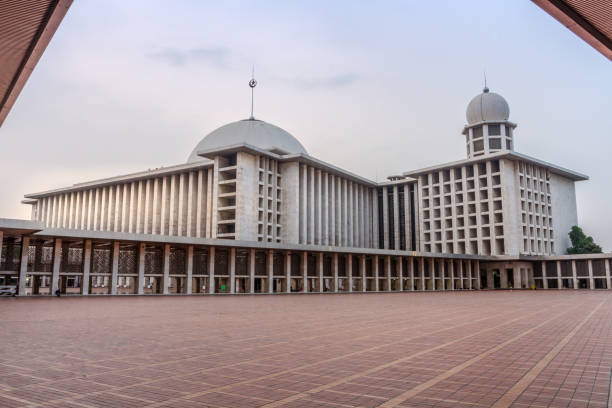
488, 129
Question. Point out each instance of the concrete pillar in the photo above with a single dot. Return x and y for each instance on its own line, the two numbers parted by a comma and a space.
335, 271
349, 271
288, 272
432, 273
270, 265
86, 267
376, 272
591, 279
385, 226
451, 272
442, 267
503, 278
304, 266
23, 264
422, 272
211, 269
388, 272
362, 272
559, 279
517, 277
460, 273
400, 272
544, 276
320, 270
190, 269
469, 274
141, 267
232, 269
251, 271
607, 263
490, 281
115, 268
478, 283
411, 272
166, 269
574, 274
57, 258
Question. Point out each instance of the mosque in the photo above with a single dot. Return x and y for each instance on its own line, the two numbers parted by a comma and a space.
250, 211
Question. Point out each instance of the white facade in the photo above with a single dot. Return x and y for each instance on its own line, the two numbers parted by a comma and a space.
252, 181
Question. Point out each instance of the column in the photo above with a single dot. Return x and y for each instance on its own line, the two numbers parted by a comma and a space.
166, 279
490, 279
478, 283
232, 269
460, 272
400, 272
270, 271
142, 247
115, 268
211, 269
432, 273
251, 271
559, 280
503, 278
320, 271
442, 267
544, 277
304, 266
469, 271
362, 272
451, 271
575, 278
376, 272
517, 277
57, 258
422, 268
411, 272
607, 262
86, 267
335, 270
385, 226
349, 272
288, 272
23, 264
190, 269
388, 272
591, 280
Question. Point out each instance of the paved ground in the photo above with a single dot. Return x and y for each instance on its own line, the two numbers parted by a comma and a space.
540, 349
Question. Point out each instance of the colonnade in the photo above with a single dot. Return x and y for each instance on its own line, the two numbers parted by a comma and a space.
286, 271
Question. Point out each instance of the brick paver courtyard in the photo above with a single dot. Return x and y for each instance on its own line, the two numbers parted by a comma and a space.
461, 349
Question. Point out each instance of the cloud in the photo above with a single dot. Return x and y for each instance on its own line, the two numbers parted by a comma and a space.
174, 56
335, 81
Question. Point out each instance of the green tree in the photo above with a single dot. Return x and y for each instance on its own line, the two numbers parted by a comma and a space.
581, 244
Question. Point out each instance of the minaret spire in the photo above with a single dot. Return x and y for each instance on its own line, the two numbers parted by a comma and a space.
486, 89
252, 84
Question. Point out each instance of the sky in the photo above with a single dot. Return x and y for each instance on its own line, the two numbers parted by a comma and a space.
375, 87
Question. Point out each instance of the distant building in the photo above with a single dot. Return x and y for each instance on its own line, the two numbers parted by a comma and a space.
252, 211
252, 181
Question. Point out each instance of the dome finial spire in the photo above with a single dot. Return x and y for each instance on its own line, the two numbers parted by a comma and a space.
252, 84
485, 89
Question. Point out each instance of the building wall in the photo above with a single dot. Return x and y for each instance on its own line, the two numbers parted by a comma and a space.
461, 210
511, 207
397, 216
176, 204
333, 210
564, 211
536, 209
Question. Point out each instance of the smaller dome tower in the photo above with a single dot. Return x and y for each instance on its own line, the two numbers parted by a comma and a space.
488, 129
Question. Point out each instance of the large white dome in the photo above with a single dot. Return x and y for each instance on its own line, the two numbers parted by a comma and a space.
488, 106
251, 131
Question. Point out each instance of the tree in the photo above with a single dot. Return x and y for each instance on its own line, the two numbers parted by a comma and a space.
581, 244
